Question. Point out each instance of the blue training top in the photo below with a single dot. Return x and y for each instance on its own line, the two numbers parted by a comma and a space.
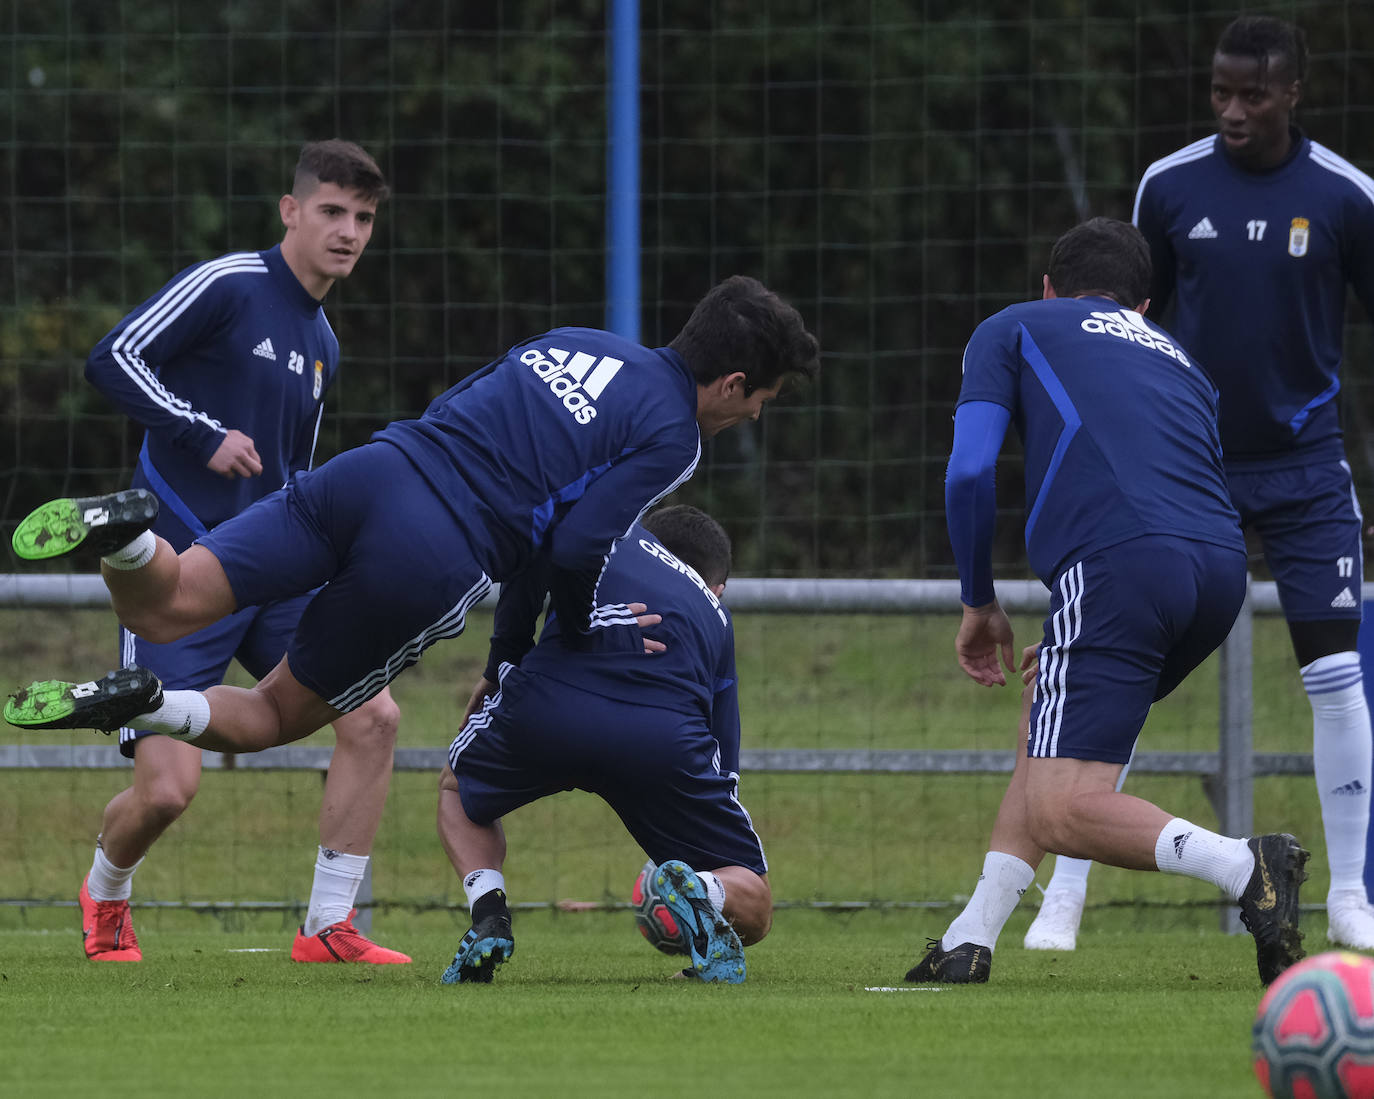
1119, 430
1256, 265
558, 446
695, 676
235, 342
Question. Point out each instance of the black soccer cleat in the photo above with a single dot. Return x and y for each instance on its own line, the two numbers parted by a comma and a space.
106, 704
488, 943
96, 525
965, 964
1269, 905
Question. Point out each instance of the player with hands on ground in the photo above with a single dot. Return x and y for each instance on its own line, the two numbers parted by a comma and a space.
1261, 215
657, 736
227, 368
552, 451
1131, 527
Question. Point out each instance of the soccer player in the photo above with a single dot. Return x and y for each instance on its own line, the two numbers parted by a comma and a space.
1130, 526
656, 736
226, 368
554, 448
1261, 219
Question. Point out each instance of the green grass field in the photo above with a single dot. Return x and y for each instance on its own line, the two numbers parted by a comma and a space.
1155, 1002
586, 1008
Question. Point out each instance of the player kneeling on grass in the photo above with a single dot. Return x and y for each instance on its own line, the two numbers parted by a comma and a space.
1131, 527
656, 736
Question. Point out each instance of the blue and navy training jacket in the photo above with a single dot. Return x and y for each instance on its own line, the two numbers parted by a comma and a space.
694, 676
557, 448
235, 342
1119, 430
1255, 266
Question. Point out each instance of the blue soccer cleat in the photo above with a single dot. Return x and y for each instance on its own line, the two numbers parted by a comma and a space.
717, 954
488, 943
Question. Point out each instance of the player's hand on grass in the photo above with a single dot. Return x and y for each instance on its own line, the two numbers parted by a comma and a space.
645, 620
984, 634
236, 456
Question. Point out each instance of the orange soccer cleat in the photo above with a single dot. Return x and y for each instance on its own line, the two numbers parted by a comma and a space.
342, 942
107, 929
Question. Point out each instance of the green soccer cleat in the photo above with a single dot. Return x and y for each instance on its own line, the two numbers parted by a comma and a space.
96, 525
105, 704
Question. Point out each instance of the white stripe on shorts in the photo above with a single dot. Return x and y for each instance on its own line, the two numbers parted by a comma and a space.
450, 625
1066, 625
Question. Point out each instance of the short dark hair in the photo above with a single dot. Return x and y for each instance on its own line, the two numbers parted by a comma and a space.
742, 326
1262, 37
342, 163
1102, 256
694, 538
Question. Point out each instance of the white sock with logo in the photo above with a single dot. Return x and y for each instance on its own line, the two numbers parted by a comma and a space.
337, 877
1004, 879
135, 555
1341, 756
481, 882
715, 890
1185, 848
183, 715
108, 882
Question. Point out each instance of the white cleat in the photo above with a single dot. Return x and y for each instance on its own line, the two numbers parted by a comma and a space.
1350, 919
1056, 926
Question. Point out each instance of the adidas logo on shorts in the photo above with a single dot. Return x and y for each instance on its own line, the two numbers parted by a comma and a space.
1345, 601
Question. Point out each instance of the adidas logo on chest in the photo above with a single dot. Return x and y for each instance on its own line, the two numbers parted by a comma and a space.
264, 350
1203, 230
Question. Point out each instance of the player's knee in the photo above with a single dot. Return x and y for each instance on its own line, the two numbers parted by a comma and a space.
372, 725
750, 909
166, 800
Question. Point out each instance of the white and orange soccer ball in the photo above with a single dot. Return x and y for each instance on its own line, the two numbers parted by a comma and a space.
1314, 1030
652, 917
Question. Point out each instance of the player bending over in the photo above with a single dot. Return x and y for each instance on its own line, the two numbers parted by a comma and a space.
656, 736
554, 449
1131, 527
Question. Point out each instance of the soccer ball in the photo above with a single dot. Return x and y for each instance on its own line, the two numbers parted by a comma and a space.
1314, 1030
652, 917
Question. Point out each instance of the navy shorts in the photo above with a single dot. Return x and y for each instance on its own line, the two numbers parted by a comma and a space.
256, 636
1126, 626
658, 769
1309, 522
395, 569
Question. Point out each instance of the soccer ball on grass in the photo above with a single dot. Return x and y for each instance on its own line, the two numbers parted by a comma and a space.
1314, 1029
652, 917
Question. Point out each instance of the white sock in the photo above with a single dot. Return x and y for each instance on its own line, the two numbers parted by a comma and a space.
1185, 848
135, 555
1004, 879
1341, 752
1070, 876
715, 890
108, 882
337, 877
183, 715
1071, 873
481, 882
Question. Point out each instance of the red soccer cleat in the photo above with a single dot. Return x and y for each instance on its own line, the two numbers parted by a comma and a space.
107, 928
342, 942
